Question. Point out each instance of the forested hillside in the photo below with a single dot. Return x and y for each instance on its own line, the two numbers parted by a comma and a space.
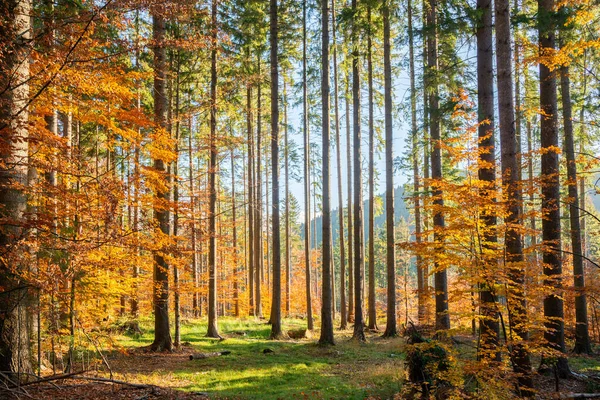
299, 199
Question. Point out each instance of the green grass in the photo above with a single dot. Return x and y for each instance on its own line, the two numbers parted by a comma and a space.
296, 368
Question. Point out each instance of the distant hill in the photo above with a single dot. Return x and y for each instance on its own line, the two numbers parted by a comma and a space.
400, 212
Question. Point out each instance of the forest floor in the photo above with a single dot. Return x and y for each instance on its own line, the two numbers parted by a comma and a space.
290, 369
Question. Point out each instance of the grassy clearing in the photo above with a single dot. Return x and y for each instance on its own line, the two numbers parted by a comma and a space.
295, 369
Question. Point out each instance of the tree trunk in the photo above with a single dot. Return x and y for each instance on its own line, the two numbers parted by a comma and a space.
552, 258
177, 289
391, 328
288, 247
582, 337
212, 329
193, 228
326, 303
236, 267
258, 210
349, 209
162, 334
276, 331
372, 311
489, 327
14, 118
359, 332
251, 199
510, 179
343, 309
442, 318
309, 315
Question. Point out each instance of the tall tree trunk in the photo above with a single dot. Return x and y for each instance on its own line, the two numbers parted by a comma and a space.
258, 238
326, 302
288, 246
442, 318
276, 331
195, 277
372, 311
177, 289
349, 208
489, 327
236, 253
309, 316
510, 161
359, 332
582, 337
162, 334
391, 328
343, 309
15, 28
421, 279
212, 329
426, 168
552, 258
251, 200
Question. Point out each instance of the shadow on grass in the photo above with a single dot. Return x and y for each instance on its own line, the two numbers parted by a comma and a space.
295, 369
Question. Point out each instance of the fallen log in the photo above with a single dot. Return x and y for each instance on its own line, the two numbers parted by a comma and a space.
202, 356
580, 396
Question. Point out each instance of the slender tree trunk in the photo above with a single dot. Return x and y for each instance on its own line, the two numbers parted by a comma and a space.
288, 247
350, 210
552, 258
372, 311
258, 238
326, 302
489, 327
343, 309
177, 289
426, 169
15, 28
212, 329
391, 328
195, 278
162, 334
276, 331
251, 200
309, 316
442, 318
421, 279
359, 332
582, 337
236, 267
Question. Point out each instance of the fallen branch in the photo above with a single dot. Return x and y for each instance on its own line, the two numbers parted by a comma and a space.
108, 380
53, 378
202, 356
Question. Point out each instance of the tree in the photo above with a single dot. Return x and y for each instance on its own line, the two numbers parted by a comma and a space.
343, 309
442, 318
552, 258
213, 329
391, 327
359, 333
162, 334
15, 26
326, 303
276, 331
489, 325
309, 316
372, 322
510, 179
582, 336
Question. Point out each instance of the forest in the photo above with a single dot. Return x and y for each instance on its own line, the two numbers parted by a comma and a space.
318, 199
